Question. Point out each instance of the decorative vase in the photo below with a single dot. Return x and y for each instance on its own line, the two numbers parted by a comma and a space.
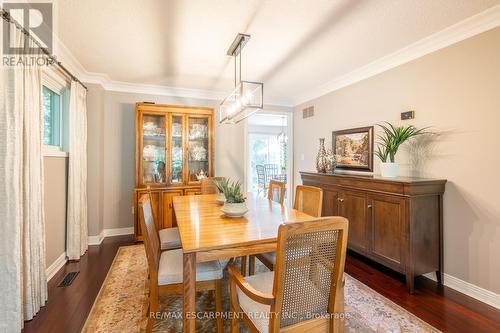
389, 170
234, 209
331, 161
321, 160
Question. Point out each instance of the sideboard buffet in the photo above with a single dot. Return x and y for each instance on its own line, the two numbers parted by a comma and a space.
395, 222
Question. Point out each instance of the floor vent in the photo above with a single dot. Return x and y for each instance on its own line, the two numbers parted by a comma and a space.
68, 279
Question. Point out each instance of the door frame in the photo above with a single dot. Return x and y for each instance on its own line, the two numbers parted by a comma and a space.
290, 132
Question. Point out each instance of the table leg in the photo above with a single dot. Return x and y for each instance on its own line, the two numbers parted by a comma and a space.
189, 292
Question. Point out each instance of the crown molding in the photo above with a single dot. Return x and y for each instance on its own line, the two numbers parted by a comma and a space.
460, 31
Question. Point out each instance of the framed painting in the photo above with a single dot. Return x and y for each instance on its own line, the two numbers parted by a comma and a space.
353, 148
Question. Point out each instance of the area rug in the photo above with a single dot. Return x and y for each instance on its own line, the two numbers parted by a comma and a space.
121, 304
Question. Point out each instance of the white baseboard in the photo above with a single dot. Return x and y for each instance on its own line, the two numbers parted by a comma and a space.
469, 289
56, 266
96, 240
118, 232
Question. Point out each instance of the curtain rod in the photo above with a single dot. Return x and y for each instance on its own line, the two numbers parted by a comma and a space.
7, 17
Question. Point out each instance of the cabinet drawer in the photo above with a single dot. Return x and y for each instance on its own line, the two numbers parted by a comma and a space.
192, 191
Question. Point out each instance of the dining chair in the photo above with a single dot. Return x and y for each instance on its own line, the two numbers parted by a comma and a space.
165, 269
308, 199
276, 191
271, 170
261, 179
208, 185
169, 237
305, 293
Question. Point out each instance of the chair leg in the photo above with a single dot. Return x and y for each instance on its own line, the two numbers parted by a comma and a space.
243, 265
153, 305
251, 265
218, 305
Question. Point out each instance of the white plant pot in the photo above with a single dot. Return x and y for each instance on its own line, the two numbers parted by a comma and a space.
389, 170
221, 198
234, 209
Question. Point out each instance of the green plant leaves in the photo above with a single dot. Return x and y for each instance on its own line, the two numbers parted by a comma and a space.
393, 137
231, 190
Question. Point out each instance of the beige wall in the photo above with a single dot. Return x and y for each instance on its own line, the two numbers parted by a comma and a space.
111, 147
55, 207
456, 91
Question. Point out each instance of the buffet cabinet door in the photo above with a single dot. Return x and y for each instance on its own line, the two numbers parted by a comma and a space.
168, 209
388, 230
353, 206
198, 154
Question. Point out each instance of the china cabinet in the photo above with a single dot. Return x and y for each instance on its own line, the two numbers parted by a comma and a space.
173, 152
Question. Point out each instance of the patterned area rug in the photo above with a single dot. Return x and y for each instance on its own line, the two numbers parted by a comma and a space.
122, 304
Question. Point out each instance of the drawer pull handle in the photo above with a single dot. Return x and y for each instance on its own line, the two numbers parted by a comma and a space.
340, 200
369, 206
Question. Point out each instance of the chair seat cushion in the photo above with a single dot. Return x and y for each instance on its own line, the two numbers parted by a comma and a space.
258, 313
170, 239
170, 269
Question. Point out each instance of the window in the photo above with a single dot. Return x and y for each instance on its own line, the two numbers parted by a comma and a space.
52, 117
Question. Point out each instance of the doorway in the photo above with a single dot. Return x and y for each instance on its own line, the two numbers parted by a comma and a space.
268, 151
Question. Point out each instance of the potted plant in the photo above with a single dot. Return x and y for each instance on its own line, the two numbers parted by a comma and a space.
390, 141
221, 185
235, 205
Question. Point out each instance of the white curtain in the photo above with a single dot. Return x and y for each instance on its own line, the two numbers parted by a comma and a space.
77, 232
22, 266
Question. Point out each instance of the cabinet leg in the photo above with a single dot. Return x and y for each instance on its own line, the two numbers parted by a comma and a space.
410, 280
439, 277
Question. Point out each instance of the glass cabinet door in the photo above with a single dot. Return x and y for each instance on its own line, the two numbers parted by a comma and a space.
153, 148
198, 148
177, 151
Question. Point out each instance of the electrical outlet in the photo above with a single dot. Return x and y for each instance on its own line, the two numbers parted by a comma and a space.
407, 115
132, 210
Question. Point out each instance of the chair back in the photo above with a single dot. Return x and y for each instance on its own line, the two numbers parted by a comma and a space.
271, 170
261, 176
208, 185
309, 271
308, 199
151, 237
276, 191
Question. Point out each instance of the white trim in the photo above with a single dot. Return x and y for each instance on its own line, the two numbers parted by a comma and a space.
118, 232
469, 289
96, 240
460, 31
53, 151
56, 266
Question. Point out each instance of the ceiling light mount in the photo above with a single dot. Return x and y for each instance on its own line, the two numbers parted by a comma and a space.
247, 97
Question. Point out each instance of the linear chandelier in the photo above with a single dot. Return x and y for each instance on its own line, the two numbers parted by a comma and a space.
247, 97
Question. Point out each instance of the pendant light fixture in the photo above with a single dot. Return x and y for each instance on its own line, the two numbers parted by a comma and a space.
247, 96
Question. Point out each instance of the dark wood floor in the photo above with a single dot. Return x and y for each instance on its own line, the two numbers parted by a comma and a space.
444, 308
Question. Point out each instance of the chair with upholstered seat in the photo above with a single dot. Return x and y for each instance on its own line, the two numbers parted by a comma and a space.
165, 268
305, 291
208, 185
308, 199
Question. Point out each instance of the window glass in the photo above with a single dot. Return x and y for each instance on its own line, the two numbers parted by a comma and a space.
52, 117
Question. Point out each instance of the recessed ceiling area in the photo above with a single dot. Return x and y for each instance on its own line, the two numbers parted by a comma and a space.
296, 45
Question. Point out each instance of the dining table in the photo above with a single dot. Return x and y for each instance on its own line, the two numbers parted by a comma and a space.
207, 234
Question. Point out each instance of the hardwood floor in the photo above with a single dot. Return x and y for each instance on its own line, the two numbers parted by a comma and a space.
68, 307
444, 308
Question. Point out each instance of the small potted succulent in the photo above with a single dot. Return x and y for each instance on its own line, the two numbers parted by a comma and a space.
390, 141
235, 205
221, 185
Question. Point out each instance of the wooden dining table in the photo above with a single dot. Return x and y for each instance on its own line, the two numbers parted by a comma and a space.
207, 234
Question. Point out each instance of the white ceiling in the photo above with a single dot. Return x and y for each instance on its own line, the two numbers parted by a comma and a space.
296, 45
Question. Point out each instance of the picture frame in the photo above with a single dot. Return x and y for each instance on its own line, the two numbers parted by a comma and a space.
353, 148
